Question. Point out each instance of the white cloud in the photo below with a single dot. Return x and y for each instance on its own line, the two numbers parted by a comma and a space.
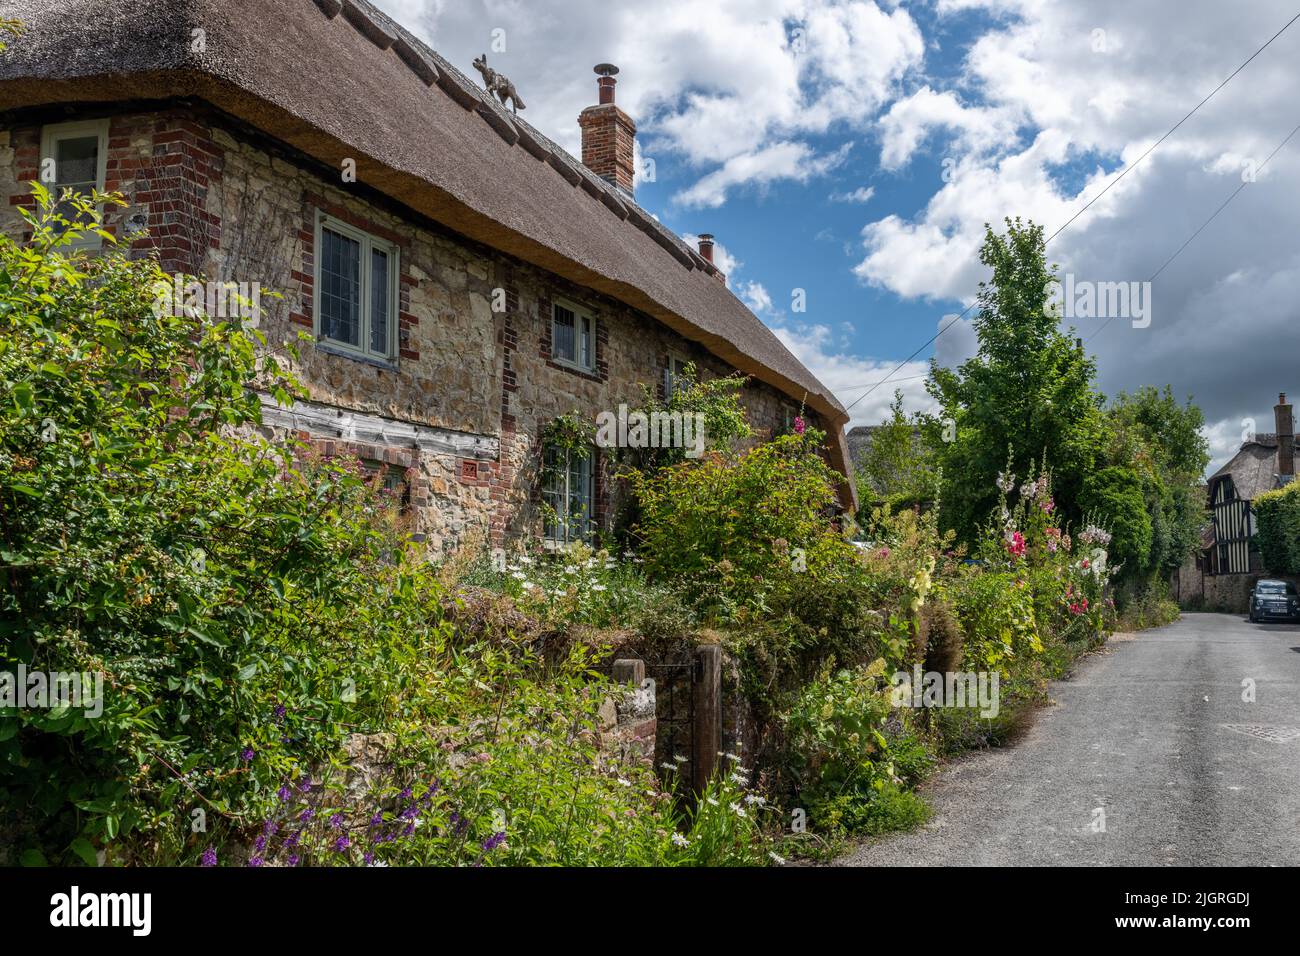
860, 195
910, 120
710, 83
789, 160
755, 295
853, 378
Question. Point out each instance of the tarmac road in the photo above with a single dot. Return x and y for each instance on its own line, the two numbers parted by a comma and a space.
1151, 737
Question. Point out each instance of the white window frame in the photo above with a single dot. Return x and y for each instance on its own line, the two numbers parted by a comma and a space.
368, 242
671, 381
581, 315
562, 533
51, 134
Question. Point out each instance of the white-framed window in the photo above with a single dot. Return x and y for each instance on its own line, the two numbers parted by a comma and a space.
356, 289
568, 489
675, 377
573, 336
74, 156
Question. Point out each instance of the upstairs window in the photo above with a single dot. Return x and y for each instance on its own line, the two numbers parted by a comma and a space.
74, 156
568, 489
573, 336
356, 290
676, 376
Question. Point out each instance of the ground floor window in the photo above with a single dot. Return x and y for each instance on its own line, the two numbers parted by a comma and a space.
568, 490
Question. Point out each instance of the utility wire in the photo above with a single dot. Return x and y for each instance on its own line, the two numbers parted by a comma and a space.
1213, 216
1086, 206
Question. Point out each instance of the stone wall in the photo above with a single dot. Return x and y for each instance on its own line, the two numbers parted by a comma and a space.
226, 203
1198, 590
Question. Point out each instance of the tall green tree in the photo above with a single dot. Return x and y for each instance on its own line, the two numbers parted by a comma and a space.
1159, 441
898, 469
1027, 398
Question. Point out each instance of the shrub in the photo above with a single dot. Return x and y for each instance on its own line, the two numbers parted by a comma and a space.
1278, 516
841, 764
224, 592
737, 527
1116, 494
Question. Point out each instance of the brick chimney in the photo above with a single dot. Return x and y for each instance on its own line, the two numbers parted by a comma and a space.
608, 134
1285, 436
706, 252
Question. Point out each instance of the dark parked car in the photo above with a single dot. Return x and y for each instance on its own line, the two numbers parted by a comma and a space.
1274, 601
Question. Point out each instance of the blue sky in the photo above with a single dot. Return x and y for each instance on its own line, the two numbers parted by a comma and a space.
854, 149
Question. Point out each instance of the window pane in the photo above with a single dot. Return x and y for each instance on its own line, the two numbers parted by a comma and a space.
553, 476
340, 294
76, 162
562, 334
379, 305
586, 343
579, 496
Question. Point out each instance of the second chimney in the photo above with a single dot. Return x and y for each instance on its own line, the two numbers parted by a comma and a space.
608, 135
1285, 436
706, 253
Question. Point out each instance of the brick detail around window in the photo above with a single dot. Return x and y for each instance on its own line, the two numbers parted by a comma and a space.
305, 275
405, 460
163, 164
601, 373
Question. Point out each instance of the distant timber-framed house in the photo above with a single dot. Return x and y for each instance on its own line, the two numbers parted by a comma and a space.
470, 282
1264, 462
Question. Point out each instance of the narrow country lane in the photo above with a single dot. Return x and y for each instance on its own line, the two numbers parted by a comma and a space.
1153, 732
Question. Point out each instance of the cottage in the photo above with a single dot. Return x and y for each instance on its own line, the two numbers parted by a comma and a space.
463, 279
1264, 462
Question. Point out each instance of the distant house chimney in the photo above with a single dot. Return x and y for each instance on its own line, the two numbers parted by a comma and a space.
706, 251
608, 134
1285, 436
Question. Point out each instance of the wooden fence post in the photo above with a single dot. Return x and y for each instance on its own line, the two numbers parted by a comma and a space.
706, 691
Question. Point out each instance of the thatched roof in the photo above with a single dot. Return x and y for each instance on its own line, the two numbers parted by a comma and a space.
338, 79
1253, 469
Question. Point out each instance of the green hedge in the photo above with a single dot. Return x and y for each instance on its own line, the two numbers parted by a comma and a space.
1278, 517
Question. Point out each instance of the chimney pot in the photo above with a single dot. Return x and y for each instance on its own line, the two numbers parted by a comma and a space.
605, 85
706, 252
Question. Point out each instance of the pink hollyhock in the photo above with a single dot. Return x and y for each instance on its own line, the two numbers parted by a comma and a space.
799, 425
1016, 544
1049, 506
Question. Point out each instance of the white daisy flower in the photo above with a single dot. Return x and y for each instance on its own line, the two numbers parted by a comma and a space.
681, 840
778, 860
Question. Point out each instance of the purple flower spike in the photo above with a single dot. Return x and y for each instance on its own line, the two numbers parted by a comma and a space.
209, 857
248, 753
342, 843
